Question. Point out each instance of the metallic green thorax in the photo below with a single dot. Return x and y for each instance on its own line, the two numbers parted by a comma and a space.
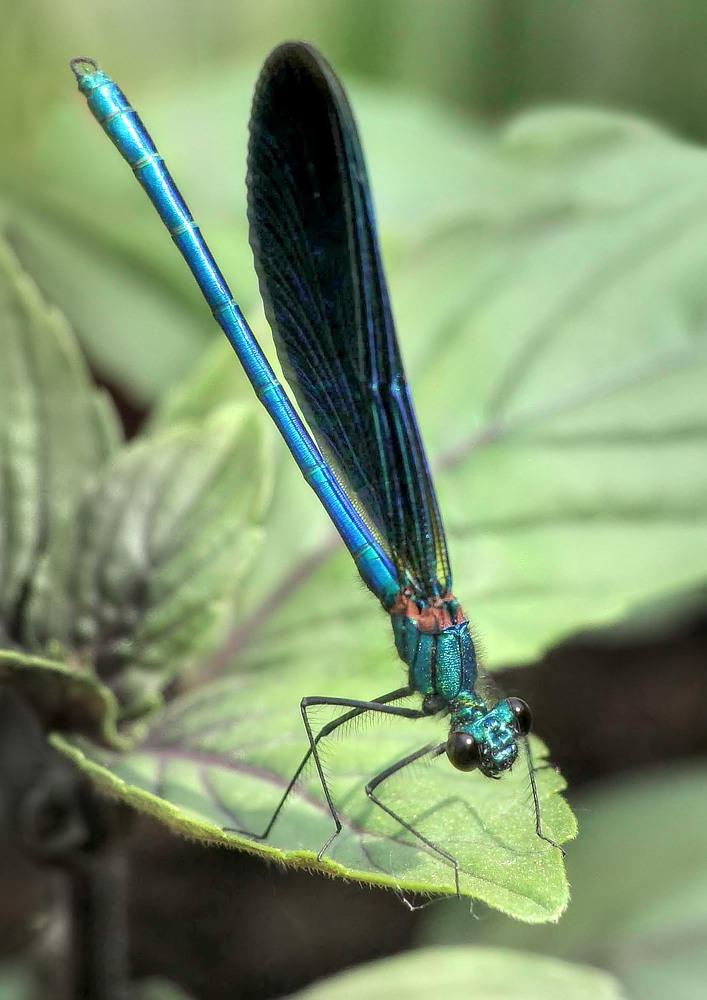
441, 662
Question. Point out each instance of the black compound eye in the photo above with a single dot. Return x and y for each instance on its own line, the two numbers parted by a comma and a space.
522, 715
463, 751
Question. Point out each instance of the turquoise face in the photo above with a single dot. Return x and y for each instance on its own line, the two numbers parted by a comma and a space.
487, 740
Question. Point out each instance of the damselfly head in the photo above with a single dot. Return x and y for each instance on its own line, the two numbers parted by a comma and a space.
490, 743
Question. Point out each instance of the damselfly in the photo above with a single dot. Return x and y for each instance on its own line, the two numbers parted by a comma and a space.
313, 234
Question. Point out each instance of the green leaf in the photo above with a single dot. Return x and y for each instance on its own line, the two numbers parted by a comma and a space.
62, 696
566, 337
119, 573
221, 757
167, 533
56, 431
639, 888
481, 973
218, 378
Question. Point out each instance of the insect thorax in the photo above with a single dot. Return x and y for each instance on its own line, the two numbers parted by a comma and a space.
433, 639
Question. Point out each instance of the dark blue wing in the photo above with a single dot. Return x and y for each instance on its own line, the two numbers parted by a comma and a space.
313, 234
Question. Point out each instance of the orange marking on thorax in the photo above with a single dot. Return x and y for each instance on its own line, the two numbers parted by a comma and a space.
436, 614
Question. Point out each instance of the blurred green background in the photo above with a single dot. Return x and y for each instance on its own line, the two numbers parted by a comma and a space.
489, 57
624, 710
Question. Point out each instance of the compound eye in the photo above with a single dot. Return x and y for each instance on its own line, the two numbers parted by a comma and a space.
463, 751
522, 715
